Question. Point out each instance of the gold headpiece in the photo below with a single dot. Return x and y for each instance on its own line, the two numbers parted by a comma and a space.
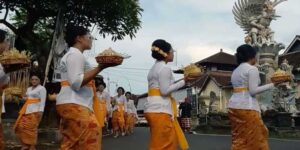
156, 49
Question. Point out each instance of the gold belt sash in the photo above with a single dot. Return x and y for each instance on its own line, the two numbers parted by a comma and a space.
240, 89
23, 109
180, 135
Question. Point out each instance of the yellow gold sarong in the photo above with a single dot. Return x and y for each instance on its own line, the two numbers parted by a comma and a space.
79, 127
154, 121
118, 117
248, 130
27, 128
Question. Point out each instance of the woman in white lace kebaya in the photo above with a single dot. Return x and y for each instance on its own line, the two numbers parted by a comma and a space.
131, 116
26, 126
160, 108
248, 129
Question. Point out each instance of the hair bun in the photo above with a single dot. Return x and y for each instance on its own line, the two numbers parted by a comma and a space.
160, 49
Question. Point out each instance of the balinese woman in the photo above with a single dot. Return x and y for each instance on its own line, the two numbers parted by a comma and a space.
160, 108
4, 79
119, 110
248, 129
104, 99
26, 126
131, 116
77, 102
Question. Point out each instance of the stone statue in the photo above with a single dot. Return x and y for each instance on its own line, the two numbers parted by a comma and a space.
286, 67
255, 17
284, 96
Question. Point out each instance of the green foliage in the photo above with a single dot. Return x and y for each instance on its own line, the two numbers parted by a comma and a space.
33, 21
112, 17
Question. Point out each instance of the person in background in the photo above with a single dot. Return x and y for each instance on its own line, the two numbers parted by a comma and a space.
110, 115
119, 113
131, 116
185, 115
105, 103
26, 126
4, 80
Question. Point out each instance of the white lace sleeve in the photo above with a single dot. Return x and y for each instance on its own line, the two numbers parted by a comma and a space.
254, 81
166, 83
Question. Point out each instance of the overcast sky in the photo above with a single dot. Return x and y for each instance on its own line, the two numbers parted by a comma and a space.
195, 28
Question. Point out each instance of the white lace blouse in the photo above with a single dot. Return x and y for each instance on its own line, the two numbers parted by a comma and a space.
247, 76
160, 77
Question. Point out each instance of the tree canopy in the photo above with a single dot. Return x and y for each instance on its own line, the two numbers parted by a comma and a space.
33, 21
115, 17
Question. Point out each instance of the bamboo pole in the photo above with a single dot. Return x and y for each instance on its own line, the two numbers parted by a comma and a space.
58, 28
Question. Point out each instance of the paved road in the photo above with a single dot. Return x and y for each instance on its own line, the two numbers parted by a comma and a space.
139, 140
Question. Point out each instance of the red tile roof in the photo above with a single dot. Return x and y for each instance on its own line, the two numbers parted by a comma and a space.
293, 59
219, 58
221, 78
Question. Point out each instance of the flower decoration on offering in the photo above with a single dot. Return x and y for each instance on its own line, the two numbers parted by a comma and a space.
281, 76
192, 70
13, 60
109, 56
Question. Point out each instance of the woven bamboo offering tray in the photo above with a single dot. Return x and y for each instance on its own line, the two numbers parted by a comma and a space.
109, 56
13, 60
281, 76
15, 91
192, 70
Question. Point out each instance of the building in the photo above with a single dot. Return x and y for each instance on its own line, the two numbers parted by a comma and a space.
212, 90
219, 61
292, 55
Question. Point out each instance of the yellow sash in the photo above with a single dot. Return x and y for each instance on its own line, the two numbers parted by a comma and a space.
23, 109
240, 89
180, 135
96, 102
103, 105
121, 107
103, 108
